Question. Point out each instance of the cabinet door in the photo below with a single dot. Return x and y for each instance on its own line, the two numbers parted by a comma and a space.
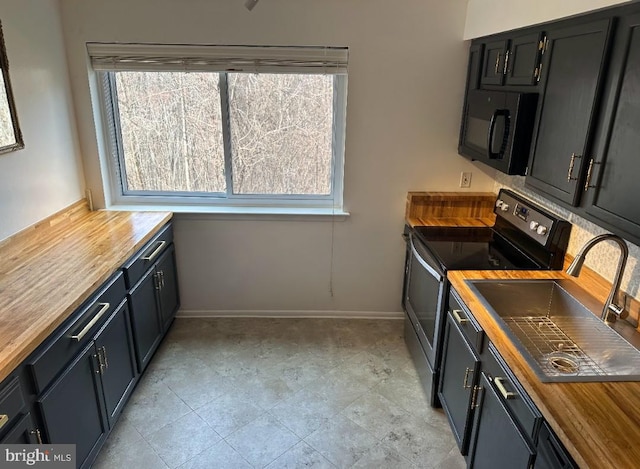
571, 72
497, 440
145, 317
459, 369
616, 161
168, 292
117, 362
23, 433
493, 63
72, 409
523, 60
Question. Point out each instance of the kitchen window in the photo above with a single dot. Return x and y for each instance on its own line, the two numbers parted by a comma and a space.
223, 126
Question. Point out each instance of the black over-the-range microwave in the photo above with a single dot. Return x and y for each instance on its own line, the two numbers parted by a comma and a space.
497, 127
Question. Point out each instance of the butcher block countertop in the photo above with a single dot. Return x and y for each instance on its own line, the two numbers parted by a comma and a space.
599, 423
51, 268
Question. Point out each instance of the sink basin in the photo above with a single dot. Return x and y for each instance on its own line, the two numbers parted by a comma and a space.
560, 337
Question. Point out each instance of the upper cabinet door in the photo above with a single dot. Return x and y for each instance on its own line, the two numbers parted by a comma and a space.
615, 161
571, 77
493, 63
523, 59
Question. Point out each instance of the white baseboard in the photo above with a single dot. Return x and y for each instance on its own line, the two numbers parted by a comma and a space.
290, 314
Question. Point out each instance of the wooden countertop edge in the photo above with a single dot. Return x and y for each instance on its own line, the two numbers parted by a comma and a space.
20, 346
450, 221
599, 423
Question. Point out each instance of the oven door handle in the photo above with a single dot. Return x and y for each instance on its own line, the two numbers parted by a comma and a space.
422, 262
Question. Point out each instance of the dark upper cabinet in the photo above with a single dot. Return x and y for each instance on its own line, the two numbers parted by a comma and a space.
475, 66
523, 59
572, 70
614, 163
493, 62
510, 61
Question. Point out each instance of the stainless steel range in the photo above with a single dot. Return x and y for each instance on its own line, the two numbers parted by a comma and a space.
524, 237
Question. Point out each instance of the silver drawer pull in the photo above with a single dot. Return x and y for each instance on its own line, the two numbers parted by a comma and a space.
457, 317
4, 418
155, 252
506, 394
94, 320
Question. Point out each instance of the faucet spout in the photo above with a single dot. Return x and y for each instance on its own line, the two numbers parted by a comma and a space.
611, 310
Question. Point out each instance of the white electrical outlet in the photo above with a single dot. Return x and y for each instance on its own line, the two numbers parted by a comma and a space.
465, 179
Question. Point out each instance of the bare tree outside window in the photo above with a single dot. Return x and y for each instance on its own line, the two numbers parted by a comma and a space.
171, 131
280, 128
281, 131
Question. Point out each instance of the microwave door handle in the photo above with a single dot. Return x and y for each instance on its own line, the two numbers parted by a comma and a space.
492, 127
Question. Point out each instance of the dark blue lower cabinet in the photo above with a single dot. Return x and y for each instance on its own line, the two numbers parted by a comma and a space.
24, 432
145, 317
496, 440
460, 365
116, 359
72, 409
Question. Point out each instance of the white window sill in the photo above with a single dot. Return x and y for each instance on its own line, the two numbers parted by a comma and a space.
195, 212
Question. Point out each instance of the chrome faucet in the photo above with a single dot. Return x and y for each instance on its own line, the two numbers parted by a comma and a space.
610, 306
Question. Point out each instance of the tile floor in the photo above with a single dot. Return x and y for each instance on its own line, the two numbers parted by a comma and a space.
281, 393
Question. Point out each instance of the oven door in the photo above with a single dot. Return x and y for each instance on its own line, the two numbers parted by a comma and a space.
424, 296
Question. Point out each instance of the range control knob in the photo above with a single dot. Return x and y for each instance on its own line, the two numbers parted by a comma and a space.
499, 203
533, 226
542, 230
504, 207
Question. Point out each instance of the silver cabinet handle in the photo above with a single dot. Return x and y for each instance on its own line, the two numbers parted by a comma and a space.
4, 418
155, 252
156, 280
506, 62
161, 276
506, 394
103, 350
466, 377
38, 435
457, 317
571, 164
587, 183
475, 397
94, 320
497, 64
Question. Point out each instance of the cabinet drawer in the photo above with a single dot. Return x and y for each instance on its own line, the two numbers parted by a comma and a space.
74, 334
135, 267
12, 404
513, 395
466, 322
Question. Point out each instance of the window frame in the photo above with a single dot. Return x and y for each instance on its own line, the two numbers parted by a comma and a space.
118, 196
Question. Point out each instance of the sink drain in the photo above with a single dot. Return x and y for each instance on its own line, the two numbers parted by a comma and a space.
563, 363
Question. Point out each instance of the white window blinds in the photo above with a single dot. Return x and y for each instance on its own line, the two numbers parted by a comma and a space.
213, 58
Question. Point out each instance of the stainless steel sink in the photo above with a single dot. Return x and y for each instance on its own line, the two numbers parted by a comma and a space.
557, 332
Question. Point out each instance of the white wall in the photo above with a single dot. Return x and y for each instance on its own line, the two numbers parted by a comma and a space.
406, 80
46, 175
486, 17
